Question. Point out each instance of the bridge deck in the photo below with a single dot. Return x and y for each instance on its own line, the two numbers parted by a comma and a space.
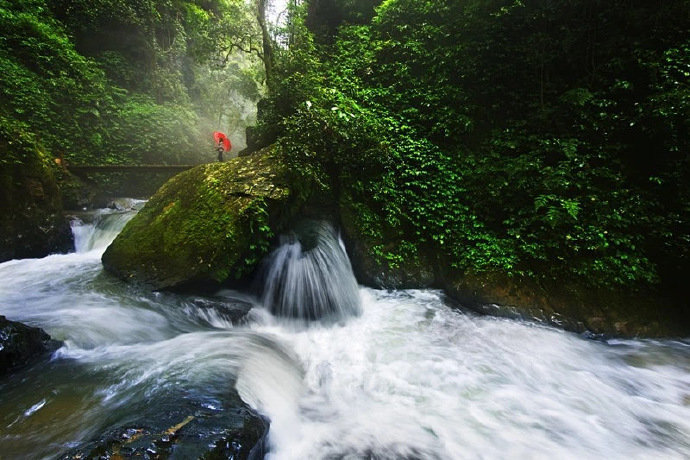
128, 168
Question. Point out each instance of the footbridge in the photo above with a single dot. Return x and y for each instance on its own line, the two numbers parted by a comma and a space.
88, 169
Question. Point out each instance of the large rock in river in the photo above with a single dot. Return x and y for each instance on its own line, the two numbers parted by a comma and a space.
210, 223
21, 344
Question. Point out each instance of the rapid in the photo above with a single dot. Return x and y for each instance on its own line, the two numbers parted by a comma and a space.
381, 374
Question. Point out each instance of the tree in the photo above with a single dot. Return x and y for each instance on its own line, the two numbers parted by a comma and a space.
267, 42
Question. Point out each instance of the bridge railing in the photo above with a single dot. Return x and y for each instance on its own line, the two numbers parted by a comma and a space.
127, 168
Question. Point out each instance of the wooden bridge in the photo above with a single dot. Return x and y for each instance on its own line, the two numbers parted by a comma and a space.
87, 169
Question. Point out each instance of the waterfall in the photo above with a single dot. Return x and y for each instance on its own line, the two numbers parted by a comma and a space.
96, 230
309, 276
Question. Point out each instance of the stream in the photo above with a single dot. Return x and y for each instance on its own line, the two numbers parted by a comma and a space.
396, 374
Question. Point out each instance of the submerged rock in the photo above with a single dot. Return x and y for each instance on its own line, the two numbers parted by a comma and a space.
231, 310
21, 344
207, 224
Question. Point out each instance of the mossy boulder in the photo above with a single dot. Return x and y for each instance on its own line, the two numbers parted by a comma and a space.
209, 224
32, 223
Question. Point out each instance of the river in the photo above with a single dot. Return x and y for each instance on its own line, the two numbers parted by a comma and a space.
407, 375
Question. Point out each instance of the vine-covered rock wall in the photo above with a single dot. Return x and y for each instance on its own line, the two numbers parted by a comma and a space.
31, 219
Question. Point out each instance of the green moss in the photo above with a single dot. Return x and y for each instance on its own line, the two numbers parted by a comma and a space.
31, 220
209, 223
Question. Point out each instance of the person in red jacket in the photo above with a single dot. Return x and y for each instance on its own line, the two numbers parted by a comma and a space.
222, 143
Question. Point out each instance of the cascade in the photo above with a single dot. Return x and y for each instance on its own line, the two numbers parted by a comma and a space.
100, 227
309, 276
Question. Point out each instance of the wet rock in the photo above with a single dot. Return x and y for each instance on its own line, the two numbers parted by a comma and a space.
232, 310
568, 306
21, 344
204, 225
166, 430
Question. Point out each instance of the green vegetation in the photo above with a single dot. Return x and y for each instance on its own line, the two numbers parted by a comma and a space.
112, 81
544, 140
125, 81
31, 220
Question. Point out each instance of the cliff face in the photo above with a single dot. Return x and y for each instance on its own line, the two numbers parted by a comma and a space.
208, 224
31, 219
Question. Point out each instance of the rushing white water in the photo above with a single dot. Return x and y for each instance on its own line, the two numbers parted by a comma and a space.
412, 378
104, 226
314, 282
409, 377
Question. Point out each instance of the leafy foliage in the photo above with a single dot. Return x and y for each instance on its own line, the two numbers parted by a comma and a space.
44, 78
546, 140
123, 81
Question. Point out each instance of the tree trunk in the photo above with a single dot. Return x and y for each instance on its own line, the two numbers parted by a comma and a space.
267, 45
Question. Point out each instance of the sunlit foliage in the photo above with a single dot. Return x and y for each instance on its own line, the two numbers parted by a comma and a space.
113, 81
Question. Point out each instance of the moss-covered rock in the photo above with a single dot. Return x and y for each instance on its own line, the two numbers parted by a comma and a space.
210, 223
32, 223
